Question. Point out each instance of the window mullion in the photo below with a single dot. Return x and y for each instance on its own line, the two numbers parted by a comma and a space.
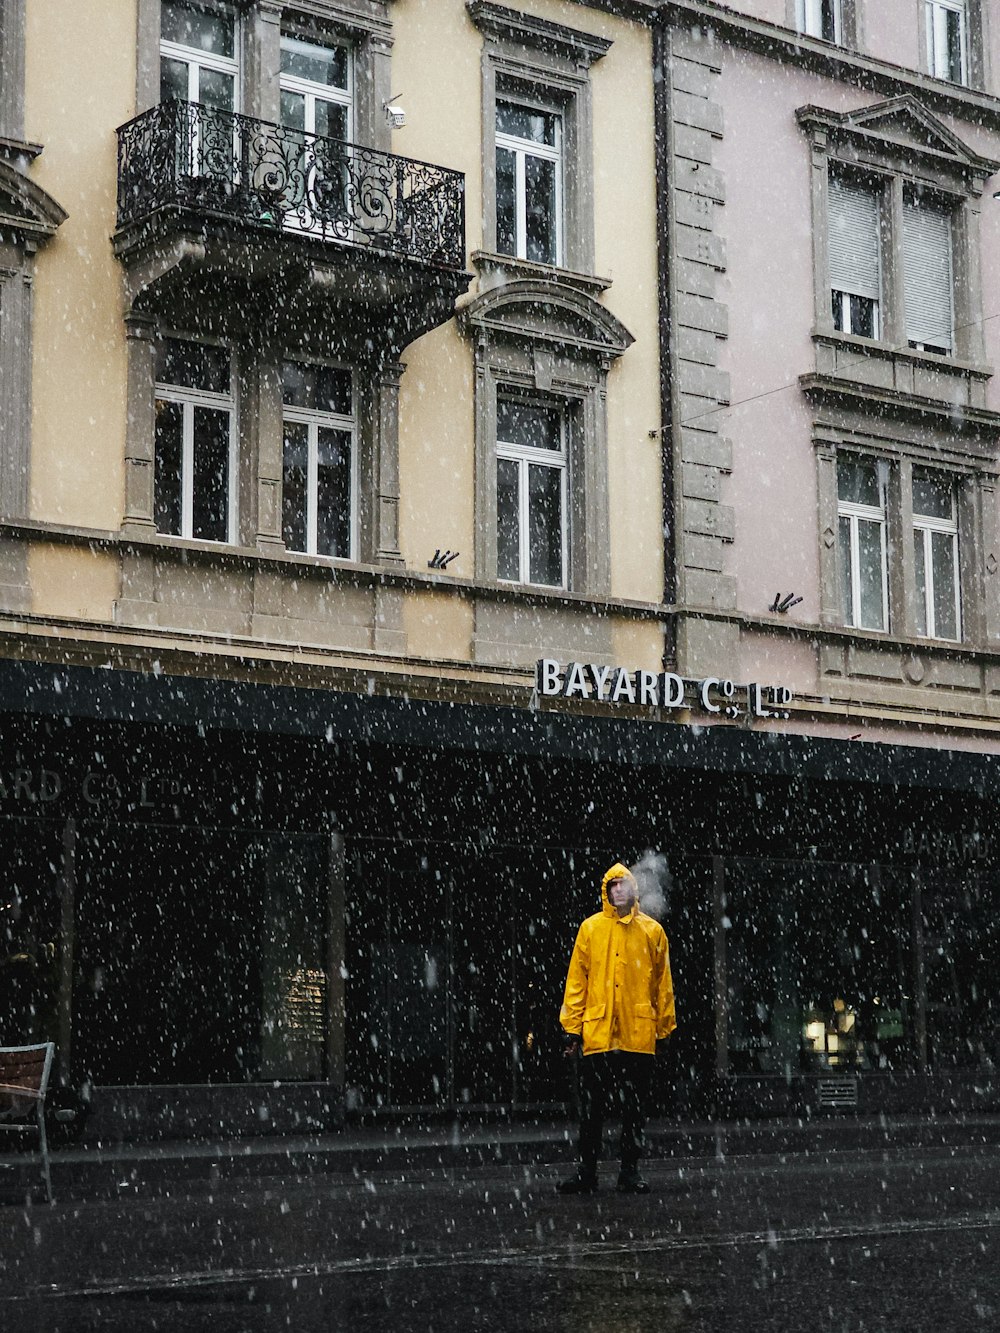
312, 486
929, 584
520, 205
523, 524
187, 470
856, 616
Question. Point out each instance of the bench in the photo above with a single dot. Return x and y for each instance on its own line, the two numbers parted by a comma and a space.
24, 1080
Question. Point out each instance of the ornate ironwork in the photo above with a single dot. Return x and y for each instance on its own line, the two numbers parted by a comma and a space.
194, 157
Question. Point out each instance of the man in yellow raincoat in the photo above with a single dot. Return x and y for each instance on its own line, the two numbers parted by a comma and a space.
619, 1003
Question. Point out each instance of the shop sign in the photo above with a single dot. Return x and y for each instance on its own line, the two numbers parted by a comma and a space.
711, 696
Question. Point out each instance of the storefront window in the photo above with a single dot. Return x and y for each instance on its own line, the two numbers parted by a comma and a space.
819, 969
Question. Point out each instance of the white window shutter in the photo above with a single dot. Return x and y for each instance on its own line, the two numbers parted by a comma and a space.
927, 275
854, 240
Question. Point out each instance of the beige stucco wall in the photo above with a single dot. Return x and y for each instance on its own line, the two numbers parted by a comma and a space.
72, 582
80, 84
444, 124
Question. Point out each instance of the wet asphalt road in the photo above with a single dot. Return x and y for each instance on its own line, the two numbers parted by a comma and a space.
897, 1243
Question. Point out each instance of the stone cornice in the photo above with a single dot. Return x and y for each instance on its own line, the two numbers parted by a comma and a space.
512, 25
781, 43
958, 417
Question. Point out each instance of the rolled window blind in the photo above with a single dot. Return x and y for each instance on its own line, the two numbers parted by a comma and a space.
927, 275
854, 240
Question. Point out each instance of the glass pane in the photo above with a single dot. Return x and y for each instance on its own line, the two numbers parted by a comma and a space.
920, 581
333, 493
331, 119
293, 485
173, 79
955, 70
202, 29
508, 531
192, 365
528, 424
863, 312
216, 90
210, 508
506, 210
523, 122
945, 578
933, 494
545, 542
318, 388
846, 596
167, 467
829, 20
858, 483
293, 110
541, 221
872, 575
325, 65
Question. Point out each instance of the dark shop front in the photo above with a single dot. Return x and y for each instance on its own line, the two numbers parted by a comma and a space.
326, 903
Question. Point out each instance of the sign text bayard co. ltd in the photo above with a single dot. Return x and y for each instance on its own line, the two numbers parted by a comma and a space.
714, 695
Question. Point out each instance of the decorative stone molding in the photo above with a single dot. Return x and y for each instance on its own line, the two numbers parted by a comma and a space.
696, 455
553, 339
555, 39
29, 217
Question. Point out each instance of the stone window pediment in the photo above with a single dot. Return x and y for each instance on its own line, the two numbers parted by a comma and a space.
539, 312
27, 212
893, 130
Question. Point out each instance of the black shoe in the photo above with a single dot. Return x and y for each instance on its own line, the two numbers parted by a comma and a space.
582, 1183
630, 1182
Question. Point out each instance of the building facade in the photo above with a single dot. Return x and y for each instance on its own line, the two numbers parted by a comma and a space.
447, 448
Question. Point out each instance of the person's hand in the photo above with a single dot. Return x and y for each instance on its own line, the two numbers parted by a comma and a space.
662, 1045
571, 1045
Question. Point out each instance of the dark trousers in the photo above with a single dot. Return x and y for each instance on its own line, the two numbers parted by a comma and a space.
613, 1086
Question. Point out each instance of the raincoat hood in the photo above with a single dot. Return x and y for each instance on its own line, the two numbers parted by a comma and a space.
617, 871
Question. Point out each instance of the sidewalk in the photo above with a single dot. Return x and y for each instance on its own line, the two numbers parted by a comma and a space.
96, 1170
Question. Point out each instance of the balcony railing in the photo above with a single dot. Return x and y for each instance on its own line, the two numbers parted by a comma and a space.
195, 158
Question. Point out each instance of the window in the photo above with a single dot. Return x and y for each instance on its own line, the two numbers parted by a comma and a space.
861, 512
198, 53
318, 460
316, 88
947, 40
855, 257
538, 173
194, 472
821, 18
316, 105
935, 552
928, 277
531, 493
529, 182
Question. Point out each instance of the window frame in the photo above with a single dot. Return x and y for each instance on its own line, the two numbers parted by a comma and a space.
314, 419
189, 399
534, 61
929, 525
522, 149
904, 149
197, 60
312, 91
856, 514
936, 15
526, 457
807, 10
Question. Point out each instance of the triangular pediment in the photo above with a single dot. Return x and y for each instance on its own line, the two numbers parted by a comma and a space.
906, 122
902, 122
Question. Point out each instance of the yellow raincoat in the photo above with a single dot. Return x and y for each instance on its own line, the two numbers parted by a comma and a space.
619, 992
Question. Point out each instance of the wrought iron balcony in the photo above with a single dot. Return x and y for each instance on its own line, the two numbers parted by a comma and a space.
190, 158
